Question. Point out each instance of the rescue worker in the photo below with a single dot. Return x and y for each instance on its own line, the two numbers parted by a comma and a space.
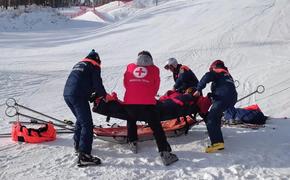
84, 84
224, 97
141, 81
183, 76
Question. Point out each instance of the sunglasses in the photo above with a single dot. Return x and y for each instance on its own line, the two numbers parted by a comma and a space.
168, 67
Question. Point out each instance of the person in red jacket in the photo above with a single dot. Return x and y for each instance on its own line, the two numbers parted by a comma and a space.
141, 81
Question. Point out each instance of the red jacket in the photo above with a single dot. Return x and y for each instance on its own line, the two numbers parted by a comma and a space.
141, 84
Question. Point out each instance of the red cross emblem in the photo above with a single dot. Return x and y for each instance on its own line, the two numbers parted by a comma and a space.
140, 72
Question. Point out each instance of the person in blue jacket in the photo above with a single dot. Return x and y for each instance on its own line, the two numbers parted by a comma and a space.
84, 84
224, 97
183, 76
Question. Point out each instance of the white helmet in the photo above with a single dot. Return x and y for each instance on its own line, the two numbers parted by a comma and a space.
171, 62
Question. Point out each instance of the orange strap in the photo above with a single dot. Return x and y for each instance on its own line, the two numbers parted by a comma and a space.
220, 70
92, 62
184, 67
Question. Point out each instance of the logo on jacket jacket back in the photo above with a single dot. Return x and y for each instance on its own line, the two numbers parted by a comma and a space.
140, 72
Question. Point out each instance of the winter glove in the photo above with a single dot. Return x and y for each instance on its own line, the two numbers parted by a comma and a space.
93, 97
109, 98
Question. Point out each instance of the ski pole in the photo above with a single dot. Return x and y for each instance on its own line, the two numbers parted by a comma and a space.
59, 131
260, 89
5, 135
13, 111
11, 102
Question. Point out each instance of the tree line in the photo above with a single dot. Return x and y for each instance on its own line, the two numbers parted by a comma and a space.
52, 3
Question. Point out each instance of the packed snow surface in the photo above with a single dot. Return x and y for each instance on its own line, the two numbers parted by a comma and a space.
39, 46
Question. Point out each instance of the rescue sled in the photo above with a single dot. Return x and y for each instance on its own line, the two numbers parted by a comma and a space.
174, 108
172, 128
170, 106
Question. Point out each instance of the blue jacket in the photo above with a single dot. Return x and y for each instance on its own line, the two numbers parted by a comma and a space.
184, 78
85, 79
222, 87
245, 116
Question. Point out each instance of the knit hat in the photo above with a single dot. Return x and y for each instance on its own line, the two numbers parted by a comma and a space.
94, 56
144, 59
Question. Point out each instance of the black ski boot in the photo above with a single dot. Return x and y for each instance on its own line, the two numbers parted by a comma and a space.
88, 160
168, 158
76, 148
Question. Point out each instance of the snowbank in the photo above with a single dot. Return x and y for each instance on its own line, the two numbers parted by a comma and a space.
147, 3
111, 6
36, 18
30, 18
89, 16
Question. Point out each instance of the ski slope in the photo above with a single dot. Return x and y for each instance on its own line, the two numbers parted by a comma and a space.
252, 37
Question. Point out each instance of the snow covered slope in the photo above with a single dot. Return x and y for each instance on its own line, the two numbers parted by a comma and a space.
251, 36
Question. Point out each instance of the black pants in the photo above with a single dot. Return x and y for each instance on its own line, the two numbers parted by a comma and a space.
214, 116
150, 114
83, 136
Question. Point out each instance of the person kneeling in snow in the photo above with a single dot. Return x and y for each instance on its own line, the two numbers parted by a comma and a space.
224, 97
83, 81
141, 81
